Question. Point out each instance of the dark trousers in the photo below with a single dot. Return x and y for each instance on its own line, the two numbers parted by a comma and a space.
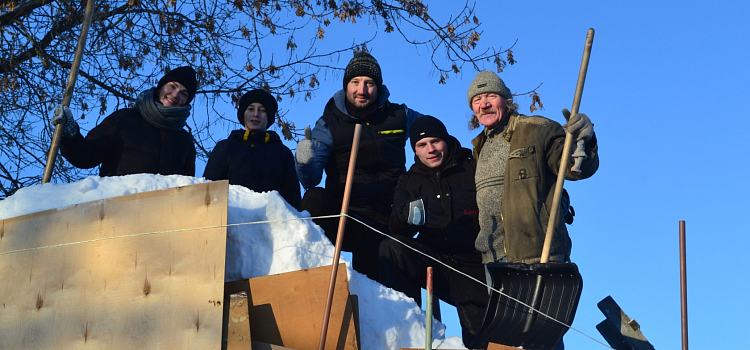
360, 240
405, 270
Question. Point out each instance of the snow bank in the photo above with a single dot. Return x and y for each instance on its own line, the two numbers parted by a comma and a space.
290, 242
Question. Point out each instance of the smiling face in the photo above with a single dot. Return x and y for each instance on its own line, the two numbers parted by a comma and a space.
489, 108
361, 91
431, 151
173, 94
255, 117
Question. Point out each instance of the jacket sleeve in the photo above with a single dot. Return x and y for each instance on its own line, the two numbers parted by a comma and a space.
310, 174
98, 146
190, 161
290, 185
400, 212
411, 116
217, 167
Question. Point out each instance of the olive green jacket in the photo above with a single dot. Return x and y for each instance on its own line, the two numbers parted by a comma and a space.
536, 145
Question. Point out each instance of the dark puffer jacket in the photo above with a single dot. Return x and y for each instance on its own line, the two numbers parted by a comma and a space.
449, 195
125, 143
380, 160
262, 163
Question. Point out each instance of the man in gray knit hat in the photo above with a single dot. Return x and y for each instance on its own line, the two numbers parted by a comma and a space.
518, 159
380, 161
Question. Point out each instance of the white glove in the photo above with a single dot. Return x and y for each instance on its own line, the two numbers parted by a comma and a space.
579, 125
62, 114
305, 151
417, 213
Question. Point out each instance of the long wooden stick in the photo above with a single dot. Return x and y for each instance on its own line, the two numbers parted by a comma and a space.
683, 286
52, 155
340, 235
566, 149
428, 316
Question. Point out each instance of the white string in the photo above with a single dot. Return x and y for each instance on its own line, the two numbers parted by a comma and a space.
309, 218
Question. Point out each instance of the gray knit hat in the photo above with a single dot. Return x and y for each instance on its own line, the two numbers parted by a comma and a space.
488, 81
363, 64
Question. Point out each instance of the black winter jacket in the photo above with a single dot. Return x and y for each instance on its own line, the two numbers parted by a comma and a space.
450, 202
124, 143
262, 163
380, 160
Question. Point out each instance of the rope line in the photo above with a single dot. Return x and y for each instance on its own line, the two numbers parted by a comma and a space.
300, 219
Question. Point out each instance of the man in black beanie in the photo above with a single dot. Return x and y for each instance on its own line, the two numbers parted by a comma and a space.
380, 161
437, 199
149, 138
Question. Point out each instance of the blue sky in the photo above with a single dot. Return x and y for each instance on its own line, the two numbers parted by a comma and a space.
667, 91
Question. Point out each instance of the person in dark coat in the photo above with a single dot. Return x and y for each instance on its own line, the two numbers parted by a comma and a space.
381, 159
149, 138
437, 199
255, 157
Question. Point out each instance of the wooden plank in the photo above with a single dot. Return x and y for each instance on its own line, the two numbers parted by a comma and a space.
109, 275
287, 309
238, 330
619, 330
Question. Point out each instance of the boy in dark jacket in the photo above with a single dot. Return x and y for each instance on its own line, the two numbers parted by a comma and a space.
149, 138
437, 199
255, 157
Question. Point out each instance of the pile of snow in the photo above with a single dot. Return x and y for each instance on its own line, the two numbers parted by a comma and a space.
388, 319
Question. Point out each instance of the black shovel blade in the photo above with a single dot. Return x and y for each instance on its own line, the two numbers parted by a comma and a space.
557, 287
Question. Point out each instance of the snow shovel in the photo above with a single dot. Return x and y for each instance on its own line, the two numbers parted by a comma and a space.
553, 289
52, 155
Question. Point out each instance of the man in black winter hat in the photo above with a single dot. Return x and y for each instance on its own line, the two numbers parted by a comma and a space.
149, 138
437, 199
380, 161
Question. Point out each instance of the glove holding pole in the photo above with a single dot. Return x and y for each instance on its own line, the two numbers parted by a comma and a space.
580, 126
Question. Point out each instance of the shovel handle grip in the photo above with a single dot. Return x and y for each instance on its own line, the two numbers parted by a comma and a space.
566, 149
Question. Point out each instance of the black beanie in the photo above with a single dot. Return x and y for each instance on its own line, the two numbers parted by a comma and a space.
183, 75
427, 126
363, 64
263, 97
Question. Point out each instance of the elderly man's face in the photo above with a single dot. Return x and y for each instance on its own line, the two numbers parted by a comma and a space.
173, 94
361, 91
489, 108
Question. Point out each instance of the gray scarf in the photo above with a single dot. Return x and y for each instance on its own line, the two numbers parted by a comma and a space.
156, 114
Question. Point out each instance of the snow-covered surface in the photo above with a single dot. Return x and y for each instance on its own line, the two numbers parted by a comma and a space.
388, 319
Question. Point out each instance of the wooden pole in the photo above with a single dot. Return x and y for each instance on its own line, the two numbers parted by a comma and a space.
566, 149
428, 317
683, 286
55, 145
340, 234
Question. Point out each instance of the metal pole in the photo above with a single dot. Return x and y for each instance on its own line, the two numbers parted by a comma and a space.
683, 286
566, 149
428, 317
340, 235
52, 155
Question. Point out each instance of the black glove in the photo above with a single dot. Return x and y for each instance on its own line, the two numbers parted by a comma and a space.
579, 125
63, 115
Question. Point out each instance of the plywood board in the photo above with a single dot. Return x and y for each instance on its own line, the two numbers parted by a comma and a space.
287, 309
114, 273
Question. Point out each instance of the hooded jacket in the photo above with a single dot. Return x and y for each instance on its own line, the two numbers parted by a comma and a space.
125, 143
536, 145
261, 163
449, 196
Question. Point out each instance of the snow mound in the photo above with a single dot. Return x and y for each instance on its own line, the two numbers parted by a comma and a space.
273, 238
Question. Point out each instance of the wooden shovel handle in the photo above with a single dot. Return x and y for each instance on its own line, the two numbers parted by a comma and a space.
340, 234
68, 95
566, 149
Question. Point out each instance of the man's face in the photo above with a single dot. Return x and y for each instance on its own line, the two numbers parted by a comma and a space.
431, 151
173, 94
256, 118
361, 91
489, 108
